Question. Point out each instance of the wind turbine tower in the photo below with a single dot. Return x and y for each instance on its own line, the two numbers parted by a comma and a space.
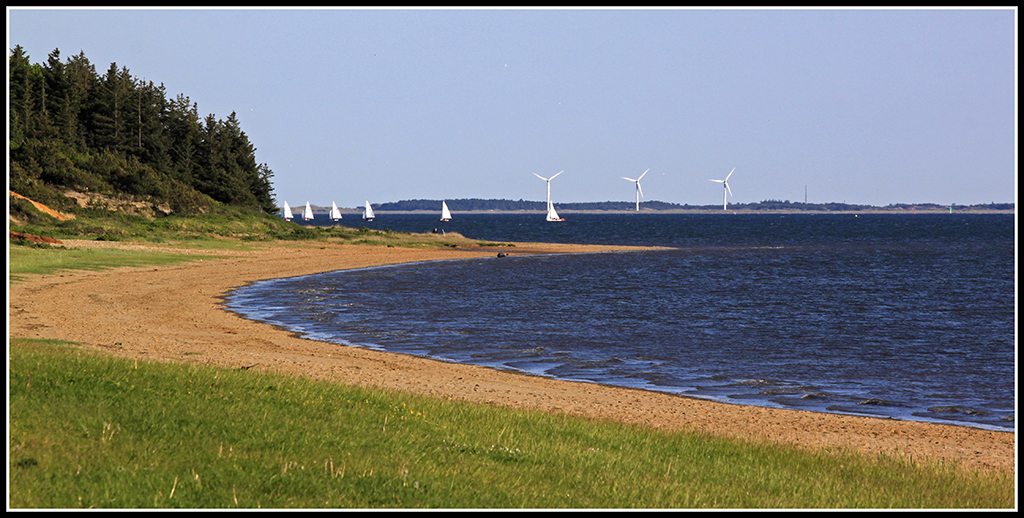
639, 191
552, 214
548, 180
727, 191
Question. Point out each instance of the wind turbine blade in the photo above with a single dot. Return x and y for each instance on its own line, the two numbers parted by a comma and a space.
727, 188
730, 174
638, 189
541, 177
556, 174
641, 176
630, 179
719, 181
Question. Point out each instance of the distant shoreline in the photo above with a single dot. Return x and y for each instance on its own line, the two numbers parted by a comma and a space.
879, 210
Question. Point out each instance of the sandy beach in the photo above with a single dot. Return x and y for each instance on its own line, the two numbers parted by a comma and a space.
174, 314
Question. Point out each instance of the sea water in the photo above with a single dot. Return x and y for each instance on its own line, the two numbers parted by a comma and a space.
897, 316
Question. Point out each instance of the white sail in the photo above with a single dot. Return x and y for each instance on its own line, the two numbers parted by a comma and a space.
287, 212
368, 212
445, 214
308, 213
335, 213
552, 215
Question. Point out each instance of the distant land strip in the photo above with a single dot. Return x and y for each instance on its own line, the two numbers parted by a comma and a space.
475, 205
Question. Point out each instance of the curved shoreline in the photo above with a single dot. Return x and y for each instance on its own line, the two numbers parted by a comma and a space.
176, 314
251, 305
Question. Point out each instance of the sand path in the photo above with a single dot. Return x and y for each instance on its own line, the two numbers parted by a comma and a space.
174, 313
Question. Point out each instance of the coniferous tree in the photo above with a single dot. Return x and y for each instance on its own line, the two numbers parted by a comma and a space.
110, 113
153, 139
20, 93
57, 101
81, 82
264, 189
183, 129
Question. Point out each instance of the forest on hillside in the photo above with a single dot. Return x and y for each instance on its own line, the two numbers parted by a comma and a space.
112, 133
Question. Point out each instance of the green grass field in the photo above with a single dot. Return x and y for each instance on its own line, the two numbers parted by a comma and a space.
90, 431
48, 260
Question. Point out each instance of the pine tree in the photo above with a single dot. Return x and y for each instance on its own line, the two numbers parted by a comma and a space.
154, 142
20, 93
109, 124
183, 129
81, 83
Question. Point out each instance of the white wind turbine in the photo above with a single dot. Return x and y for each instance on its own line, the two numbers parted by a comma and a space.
552, 215
727, 191
639, 191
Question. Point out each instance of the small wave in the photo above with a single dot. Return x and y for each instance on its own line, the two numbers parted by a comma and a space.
816, 395
840, 409
878, 402
593, 364
957, 409
788, 391
755, 383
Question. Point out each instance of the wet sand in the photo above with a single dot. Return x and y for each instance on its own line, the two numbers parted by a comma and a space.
174, 314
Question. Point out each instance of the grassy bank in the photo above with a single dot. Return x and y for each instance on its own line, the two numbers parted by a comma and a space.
47, 260
207, 236
210, 234
92, 431
221, 224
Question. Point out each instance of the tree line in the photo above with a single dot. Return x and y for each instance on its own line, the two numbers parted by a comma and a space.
500, 205
478, 204
112, 133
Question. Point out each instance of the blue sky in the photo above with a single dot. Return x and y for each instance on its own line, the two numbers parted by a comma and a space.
858, 106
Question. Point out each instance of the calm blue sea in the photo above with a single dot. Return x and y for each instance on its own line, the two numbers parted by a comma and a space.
901, 316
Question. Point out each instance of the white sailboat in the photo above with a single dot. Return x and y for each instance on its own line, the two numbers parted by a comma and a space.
335, 213
552, 215
446, 215
287, 212
368, 212
307, 214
